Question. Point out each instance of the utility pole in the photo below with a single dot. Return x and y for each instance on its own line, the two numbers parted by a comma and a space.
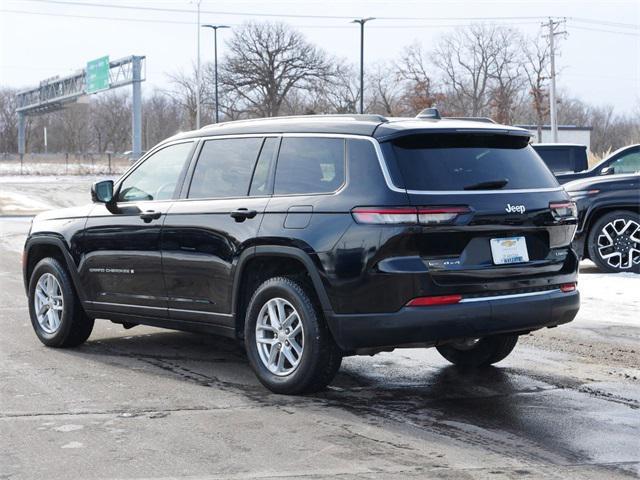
215, 62
553, 25
198, 72
136, 107
362, 21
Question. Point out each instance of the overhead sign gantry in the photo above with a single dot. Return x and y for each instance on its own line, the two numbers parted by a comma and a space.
98, 75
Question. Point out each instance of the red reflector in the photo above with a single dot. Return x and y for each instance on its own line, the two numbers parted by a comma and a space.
439, 300
568, 287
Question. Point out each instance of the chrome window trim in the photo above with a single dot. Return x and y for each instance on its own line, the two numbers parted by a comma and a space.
381, 162
505, 297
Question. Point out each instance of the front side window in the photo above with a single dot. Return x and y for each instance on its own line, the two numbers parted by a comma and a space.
630, 163
225, 168
157, 177
310, 165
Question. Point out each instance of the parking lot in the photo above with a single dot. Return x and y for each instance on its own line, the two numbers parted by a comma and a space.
152, 403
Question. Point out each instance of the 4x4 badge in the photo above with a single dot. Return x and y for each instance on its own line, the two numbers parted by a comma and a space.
515, 208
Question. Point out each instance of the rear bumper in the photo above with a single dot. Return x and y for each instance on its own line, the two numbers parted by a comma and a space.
469, 319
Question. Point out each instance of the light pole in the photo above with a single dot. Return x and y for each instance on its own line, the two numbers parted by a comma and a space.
198, 73
215, 60
362, 21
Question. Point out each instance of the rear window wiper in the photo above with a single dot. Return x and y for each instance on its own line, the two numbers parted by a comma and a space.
489, 185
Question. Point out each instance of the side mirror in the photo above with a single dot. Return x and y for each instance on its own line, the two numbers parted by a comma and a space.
607, 171
102, 192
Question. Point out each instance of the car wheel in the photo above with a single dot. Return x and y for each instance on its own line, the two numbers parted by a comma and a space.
478, 352
614, 242
287, 340
56, 314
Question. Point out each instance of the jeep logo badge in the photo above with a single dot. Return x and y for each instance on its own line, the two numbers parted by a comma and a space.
515, 208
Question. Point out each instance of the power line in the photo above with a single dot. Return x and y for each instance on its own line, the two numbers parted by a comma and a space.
605, 22
93, 17
275, 15
325, 17
633, 34
184, 22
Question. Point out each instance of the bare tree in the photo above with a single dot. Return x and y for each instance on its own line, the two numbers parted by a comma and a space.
418, 85
267, 62
467, 61
111, 121
161, 118
535, 68
337, 94
183, 91
8, 120
385, 91
507, 76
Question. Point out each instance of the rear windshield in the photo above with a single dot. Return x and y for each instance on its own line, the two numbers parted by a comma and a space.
558, 160
466, 162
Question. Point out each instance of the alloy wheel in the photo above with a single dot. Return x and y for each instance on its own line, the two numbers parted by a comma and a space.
279, 337
48, 303
618, 243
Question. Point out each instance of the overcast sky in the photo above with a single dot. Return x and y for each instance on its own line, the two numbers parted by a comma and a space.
599, 59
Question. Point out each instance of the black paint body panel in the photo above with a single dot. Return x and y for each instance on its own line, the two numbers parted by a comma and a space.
183, 269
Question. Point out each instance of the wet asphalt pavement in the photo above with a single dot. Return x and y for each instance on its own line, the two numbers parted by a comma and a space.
151, 403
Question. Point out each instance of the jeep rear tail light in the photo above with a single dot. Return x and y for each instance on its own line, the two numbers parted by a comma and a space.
385, 215
563, 210
568, 287
407, 215
436, 215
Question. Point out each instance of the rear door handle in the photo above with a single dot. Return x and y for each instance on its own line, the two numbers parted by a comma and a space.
150, 215
241, 214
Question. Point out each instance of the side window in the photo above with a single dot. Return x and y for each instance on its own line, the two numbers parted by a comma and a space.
157, 177
630, 163
225, 167
260, 183
309, 165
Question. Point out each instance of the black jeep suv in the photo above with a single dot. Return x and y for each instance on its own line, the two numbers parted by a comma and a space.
608, 221
312, 238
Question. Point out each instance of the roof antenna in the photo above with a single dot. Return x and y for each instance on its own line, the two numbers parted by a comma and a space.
431, 113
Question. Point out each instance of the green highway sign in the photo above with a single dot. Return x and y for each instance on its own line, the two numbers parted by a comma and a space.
97, 75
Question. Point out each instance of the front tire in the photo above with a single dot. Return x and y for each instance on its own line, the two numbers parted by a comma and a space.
288, 343
614, 242
56, 314
478, 353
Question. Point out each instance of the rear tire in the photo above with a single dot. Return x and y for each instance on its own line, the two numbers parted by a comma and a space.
484, 352
56, 314
294, 356
614, 242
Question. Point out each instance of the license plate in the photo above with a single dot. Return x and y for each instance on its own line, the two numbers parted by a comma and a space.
509, 250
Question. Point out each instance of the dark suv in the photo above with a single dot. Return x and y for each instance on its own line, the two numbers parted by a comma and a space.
312, 238
625, 160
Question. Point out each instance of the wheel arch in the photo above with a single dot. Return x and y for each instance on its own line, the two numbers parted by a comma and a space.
257, 264
37, 248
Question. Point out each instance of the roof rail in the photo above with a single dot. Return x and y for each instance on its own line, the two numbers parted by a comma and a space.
344, 117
